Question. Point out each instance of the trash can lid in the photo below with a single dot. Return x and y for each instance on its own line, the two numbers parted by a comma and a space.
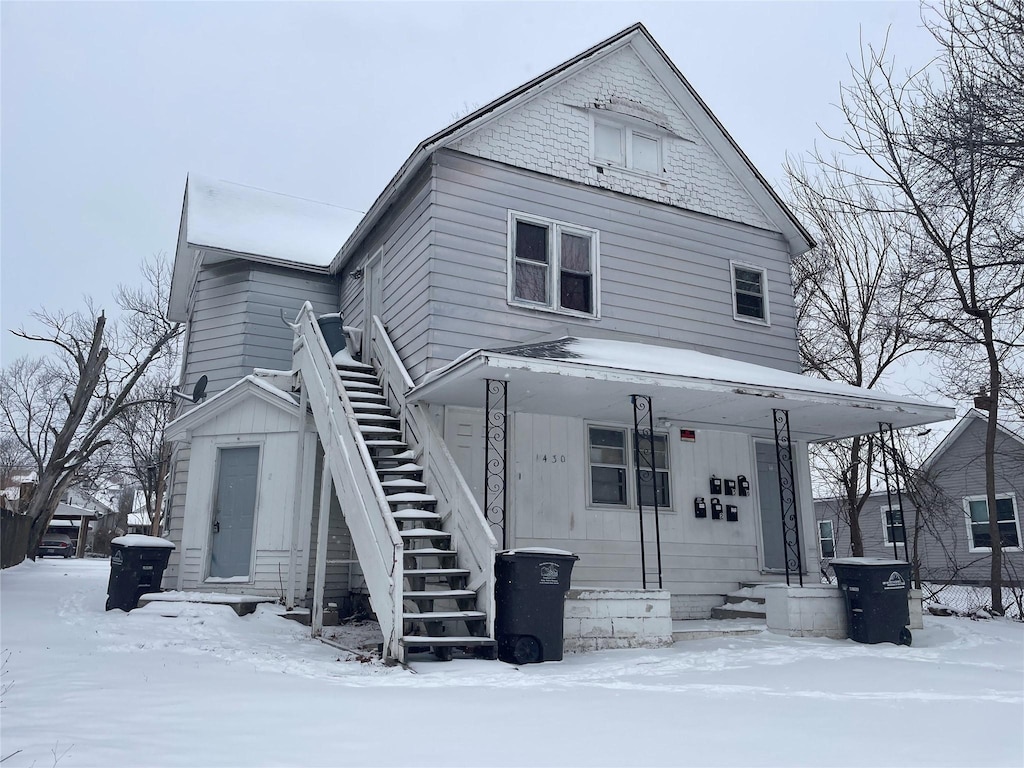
536, 551
139, 540
867, 561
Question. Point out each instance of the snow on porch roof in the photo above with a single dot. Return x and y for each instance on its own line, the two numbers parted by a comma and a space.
593, 378
247, 220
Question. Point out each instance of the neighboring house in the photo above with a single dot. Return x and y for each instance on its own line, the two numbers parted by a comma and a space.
530, 276
953, 537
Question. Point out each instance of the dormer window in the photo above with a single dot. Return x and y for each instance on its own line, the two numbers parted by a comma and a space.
619, 144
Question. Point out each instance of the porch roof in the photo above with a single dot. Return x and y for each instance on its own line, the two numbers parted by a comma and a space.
591, 378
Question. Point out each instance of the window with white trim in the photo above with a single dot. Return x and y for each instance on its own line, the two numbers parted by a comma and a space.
613, 468
826, 539
750, 293
893, 528
976, 509
552, 265
621, 145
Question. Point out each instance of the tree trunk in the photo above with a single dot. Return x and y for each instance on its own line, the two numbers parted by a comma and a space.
994, 382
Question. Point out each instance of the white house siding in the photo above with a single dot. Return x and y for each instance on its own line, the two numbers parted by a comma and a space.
250, 422
702, 559
405, 235
176, 509
339, 575
551, 134
665, 273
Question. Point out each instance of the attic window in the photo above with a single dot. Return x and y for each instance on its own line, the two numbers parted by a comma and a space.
552, 265
619, 144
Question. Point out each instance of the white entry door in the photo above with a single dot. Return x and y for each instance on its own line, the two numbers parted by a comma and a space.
373, 287
234, 511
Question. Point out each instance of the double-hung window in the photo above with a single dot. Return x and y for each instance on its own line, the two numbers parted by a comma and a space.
893, 529
552, 265
750, 295
976, 508
613, 468
622, 145
826, 539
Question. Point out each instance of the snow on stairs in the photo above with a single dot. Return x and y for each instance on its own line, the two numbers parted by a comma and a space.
439, 611
747, 602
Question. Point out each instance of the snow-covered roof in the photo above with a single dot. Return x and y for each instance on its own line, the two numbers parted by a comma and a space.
595, 378
247, 220
208, 409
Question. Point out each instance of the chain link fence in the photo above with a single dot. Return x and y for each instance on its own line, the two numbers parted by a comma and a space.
966, 600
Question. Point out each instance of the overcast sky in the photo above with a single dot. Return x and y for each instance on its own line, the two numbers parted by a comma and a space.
106, 107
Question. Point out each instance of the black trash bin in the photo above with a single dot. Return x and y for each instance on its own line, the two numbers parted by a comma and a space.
333, 329
876, 593
137, 566
529, 598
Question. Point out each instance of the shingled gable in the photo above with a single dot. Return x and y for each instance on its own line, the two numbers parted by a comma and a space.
671, 79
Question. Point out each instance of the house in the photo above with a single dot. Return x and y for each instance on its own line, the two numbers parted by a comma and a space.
953, 541
567, 322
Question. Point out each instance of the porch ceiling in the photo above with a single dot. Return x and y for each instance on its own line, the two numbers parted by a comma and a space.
593, 379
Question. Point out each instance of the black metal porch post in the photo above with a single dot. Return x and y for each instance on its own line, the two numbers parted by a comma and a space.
787, 496
496, 455
646, 474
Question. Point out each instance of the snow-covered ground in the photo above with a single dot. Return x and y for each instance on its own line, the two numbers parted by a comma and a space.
83, 687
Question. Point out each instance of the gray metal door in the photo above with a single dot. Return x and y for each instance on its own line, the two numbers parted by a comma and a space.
234, 510
373, 291
773, 549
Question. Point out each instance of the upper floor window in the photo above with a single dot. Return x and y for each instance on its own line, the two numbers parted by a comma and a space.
826, 539
750, 294
893, 529
552, 265
622, 145
976, 508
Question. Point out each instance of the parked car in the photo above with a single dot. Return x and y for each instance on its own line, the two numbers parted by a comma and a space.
57, 544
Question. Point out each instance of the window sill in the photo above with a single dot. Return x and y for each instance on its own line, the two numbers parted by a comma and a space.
988, 550
591, 507
658, 177
550, 311
751, 320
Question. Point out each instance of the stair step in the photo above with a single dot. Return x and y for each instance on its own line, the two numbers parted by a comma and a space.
363, 386
439, 594
353, 365
445, 616
447, 641
372, 429
424, 572
364, 396
386, 444
379, 418
414, 514
409, 496
424, 533
430, 552
365, 406
407, 468
402, 482
348, 374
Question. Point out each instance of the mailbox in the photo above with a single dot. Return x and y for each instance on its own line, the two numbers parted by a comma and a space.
730, 487
700, 509
716, 485
732, 513
743, 485
716, 509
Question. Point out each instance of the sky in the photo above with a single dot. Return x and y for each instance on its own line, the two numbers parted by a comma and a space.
107, 107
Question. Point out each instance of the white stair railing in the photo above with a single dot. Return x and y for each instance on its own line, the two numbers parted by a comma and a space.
460, 514
367, 514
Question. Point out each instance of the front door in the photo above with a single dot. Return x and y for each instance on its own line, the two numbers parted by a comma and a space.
234, 510
772, 547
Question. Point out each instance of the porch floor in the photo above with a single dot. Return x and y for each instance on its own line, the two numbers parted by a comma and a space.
704, 629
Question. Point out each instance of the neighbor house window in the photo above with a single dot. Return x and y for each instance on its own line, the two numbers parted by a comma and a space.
750, 296
826, 539
552, 265
893, 529
613, 468
976, 508
624, 146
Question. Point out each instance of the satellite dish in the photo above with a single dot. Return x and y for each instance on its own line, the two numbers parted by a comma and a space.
199, 390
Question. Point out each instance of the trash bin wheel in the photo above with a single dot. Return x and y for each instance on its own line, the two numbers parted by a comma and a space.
526, 650
905, 637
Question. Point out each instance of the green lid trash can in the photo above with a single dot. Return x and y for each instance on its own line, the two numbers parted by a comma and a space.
529, 599
137, 566
876, 593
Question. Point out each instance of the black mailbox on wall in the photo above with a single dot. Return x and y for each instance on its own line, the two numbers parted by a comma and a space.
716, 485
744, 485
716, 509
732, 513
730, 487
700, 509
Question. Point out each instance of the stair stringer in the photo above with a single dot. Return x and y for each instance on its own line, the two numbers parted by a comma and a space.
375, 535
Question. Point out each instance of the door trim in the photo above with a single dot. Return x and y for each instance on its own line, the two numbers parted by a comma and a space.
218, 446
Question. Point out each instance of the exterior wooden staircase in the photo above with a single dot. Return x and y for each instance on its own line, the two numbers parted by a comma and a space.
439, 612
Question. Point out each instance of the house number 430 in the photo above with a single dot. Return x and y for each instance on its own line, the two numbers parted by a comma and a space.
551, 458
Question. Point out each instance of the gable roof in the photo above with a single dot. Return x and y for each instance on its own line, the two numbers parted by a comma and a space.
249, 386
954, 434
674, 82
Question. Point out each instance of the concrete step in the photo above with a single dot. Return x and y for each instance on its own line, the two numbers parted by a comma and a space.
747, 609
706, 629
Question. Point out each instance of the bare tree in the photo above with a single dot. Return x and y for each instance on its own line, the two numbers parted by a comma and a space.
61, 408
924, 145
853, 318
